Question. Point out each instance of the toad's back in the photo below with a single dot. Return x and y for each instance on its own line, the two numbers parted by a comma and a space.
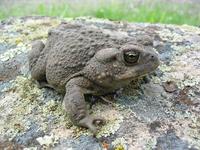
70, 46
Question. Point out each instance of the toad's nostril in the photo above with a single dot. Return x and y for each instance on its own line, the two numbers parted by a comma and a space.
152, 56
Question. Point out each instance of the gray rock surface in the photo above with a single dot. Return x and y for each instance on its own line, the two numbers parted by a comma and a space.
161, 111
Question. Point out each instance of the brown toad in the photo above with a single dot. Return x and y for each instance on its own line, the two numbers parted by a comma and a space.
78, 60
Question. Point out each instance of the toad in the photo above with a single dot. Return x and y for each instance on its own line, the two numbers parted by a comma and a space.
78, 60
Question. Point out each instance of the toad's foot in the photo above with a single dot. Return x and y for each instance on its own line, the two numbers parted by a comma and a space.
91, 123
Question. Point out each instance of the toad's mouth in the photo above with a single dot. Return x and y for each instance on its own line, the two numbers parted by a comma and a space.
138, 71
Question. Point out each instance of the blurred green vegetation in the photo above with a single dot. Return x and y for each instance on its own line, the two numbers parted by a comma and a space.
150, 11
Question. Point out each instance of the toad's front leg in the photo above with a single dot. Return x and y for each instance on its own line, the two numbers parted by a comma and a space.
74, 102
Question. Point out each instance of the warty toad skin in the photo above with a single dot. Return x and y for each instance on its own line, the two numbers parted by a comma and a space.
78, 60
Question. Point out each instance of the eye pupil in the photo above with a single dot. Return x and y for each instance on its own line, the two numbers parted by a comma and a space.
131, 57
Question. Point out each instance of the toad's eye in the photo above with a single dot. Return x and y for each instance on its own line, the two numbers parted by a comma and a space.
131, 57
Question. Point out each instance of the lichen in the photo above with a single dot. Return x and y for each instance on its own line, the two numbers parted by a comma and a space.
14, 51
164, 68
20, 35
23, 104
189, 29
47, 140
166, 35
25, 95
150, 144
182, 70
30, 96
30, 148
113, 120
119, 144
26, 88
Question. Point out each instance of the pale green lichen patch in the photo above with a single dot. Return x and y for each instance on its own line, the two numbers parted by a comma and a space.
26, 88
180, 50
47, 141
166, 35
20, 35
119, 144
113, 119
164, 68
8, 115
30, 99
25, 95
150, 144
14, 51
189, 130
190, 29
183, 69
27, 102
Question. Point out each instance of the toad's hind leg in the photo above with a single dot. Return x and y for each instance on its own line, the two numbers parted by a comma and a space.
37, 64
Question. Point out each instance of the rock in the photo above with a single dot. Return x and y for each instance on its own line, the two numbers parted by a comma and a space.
80, 143
147, 115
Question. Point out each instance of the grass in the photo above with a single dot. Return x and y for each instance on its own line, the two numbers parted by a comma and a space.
153, 12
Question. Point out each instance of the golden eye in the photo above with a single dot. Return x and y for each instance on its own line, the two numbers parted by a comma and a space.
131, 57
